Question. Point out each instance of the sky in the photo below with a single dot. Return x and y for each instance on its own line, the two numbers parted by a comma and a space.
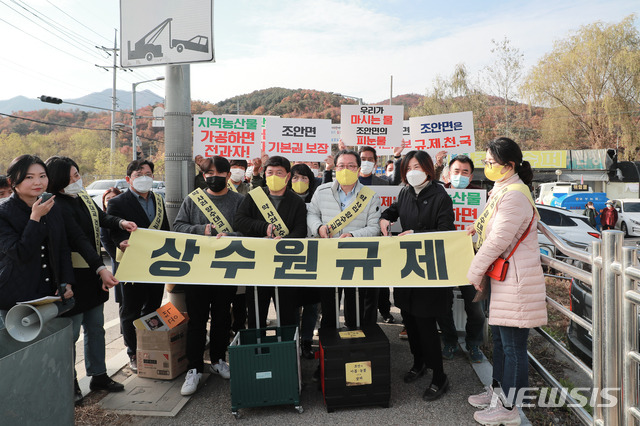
352, 47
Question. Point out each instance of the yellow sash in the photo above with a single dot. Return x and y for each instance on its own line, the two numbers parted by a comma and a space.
210, 211
362, 198
156, 223
269, 212
76, 259
231, 186
480, 223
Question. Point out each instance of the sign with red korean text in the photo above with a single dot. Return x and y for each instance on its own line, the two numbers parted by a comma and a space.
373, 125
230, 136
298, 139
406, 142
388, 195
467, 205
445, 132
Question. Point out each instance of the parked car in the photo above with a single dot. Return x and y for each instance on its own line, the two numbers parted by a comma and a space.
580, 303
158, 187
628, 216
568, 224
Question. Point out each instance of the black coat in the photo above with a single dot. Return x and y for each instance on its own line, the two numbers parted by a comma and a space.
127, 207
88, 292
429, 211
21, 261
292, 210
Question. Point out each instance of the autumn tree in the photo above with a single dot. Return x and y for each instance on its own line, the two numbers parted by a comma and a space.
594, 76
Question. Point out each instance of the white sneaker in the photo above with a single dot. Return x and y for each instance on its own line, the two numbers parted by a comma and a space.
221, 368
498, 415
191, 382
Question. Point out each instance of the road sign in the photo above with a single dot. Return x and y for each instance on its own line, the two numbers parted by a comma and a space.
156, 32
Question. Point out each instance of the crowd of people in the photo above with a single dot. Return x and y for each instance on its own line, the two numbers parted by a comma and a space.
52, 246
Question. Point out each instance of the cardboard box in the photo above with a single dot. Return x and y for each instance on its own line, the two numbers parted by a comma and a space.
162, 354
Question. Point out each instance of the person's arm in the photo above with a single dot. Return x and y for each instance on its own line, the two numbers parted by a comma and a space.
445, 216
21, 247
314, 214
246, 221
299, 228
183, 219
116, 207
372, 227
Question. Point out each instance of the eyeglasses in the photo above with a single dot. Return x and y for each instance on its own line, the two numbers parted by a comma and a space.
488, 163
352, 167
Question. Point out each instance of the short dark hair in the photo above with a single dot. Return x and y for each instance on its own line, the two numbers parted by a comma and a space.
4, 183
425, 161
389, 162
347, 152
219, 163
241, 163
370, 149
107, 192
19, 167
463, 159
136, 165
59, 169
303, 170
278, 161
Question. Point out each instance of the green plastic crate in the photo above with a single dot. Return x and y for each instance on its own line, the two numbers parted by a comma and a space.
265, 368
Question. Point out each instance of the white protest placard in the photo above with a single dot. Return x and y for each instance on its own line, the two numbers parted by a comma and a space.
373, 125
335, 134
445, 132
231, 136
298, 139
406, 142
467, 205
388, 195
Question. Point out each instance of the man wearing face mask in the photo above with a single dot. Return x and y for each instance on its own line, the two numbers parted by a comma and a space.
460, 175
325, 209
209, 212
140, 205
238, 171
287, 219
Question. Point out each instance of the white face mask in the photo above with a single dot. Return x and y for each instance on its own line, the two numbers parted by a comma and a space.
142, 184
74, 188
316, 172
390, 173
249, 172
367, 167
237, 175
416, 177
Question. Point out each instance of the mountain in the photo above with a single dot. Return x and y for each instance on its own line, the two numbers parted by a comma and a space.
98, 99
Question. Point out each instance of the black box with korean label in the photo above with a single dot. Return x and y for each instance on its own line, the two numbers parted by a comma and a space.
354, 367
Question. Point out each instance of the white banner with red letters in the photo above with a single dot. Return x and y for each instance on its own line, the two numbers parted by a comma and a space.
373, 125
234, 137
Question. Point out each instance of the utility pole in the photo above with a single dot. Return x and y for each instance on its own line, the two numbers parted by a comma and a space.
113, 98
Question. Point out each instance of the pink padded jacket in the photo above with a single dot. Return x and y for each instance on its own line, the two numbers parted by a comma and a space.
519, 300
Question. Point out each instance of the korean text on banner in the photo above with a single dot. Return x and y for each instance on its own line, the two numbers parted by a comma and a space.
298, 139
445, 132
373, 125
467, 205
438, 259
230, 136
406, 142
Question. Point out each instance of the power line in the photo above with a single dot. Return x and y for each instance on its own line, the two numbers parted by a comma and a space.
52, 124
90, 29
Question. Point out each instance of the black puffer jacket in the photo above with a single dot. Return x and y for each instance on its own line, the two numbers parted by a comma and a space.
429, 211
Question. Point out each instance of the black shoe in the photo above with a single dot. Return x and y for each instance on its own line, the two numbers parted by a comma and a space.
414, 374
434, 392
388, 318
77, 393
104, 382
307, 350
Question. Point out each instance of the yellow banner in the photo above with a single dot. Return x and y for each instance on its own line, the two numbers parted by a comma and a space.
437, 259
538, 159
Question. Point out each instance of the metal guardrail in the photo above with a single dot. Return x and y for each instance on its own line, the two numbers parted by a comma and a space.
614, 281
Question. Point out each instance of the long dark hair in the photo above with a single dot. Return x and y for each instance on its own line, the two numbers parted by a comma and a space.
59, 169
425, 161
505, 150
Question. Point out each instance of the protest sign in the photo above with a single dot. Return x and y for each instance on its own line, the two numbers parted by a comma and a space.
235, 137
438, 259
298, 139
372, 125
445, 132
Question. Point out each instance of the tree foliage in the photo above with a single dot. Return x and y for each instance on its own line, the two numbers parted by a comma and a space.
594, 77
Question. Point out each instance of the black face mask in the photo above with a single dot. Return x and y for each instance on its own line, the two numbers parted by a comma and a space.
216, 183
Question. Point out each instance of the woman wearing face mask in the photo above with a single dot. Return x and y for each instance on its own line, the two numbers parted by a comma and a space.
83, 219
518, 302
423, 205
303, 182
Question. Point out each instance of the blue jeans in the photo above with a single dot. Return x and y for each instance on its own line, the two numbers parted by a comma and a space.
510, 361
92, 322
